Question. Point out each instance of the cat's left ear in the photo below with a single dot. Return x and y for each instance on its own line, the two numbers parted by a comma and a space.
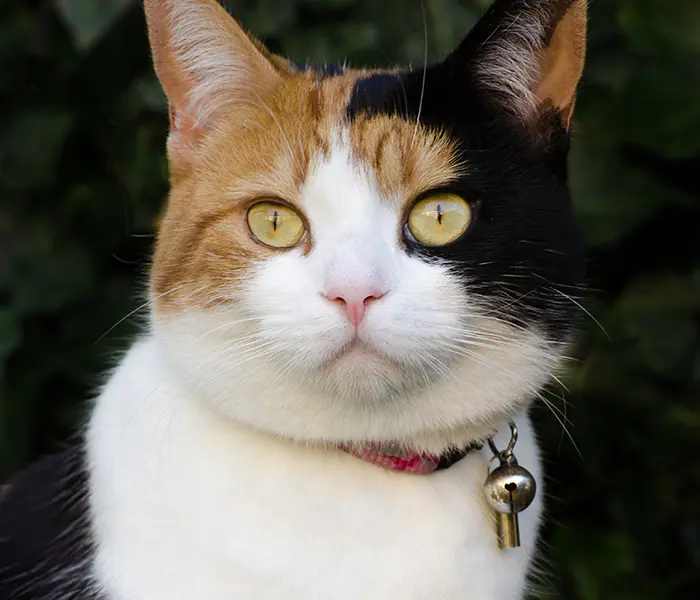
529, 55
207, 64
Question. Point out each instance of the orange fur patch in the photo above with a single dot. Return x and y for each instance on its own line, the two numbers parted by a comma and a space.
561, 62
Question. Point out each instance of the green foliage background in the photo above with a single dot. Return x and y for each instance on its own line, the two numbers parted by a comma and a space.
82, 174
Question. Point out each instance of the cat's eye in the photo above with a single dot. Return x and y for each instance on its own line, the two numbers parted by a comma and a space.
275, 224
439, 219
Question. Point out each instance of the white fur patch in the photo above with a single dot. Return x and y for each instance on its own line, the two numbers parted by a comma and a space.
191, 506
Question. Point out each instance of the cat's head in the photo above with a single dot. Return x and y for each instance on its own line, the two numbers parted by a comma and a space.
367, 255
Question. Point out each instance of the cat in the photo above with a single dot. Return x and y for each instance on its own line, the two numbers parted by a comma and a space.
360, 276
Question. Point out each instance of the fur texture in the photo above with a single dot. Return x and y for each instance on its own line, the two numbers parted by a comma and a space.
189, 505
212, 452
46, 548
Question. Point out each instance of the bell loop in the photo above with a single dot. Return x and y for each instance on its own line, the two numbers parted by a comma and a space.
505, 456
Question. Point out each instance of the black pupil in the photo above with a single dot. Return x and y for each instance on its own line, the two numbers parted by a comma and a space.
439, 214
275, 220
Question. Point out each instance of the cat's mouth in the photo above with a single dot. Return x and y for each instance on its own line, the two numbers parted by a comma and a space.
359, 350
356, 355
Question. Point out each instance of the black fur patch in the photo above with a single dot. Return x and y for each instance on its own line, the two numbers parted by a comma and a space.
329, 70
373, 94
45, 547
524, 252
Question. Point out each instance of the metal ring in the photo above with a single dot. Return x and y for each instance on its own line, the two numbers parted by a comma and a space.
511, 444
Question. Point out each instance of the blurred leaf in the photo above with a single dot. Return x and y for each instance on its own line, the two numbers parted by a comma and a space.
660, 112
88, 19
612, 196
30, 147
651, 27
48, 272
596, 560
660, 314
146, 94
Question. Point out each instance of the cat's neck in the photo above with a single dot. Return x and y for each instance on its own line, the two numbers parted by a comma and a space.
145, 386
148, 429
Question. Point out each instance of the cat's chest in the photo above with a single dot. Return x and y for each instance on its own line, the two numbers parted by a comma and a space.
420, 543
359, 541
185, 509
348, 546
413, 538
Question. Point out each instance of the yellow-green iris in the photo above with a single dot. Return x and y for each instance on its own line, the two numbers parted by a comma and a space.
439, 219
275, 224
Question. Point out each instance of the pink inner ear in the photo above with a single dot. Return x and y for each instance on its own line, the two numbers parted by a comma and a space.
185, 135
203, 59
561, 64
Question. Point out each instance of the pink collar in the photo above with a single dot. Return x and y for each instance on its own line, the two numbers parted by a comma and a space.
413, 462
409, 463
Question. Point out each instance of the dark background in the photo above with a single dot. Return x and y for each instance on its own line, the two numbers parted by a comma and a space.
82, 175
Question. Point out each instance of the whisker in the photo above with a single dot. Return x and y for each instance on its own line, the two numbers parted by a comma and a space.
425, 70
585, 310
561, 383
226, 325
549, 405
133, 312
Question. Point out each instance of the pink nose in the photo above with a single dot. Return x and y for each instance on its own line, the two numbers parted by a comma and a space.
354, 301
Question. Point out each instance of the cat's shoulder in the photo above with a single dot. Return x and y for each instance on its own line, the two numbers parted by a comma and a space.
44, 530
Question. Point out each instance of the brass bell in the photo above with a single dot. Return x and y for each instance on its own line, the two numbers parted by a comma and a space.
510, 489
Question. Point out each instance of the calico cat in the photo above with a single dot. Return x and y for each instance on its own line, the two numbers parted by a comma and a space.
360, 276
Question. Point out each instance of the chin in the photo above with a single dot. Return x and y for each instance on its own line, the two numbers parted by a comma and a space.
362, 374
359, 358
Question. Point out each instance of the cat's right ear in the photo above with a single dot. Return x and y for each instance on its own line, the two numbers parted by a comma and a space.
528, 55
205, 62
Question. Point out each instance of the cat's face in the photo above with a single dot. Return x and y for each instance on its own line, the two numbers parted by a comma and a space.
354, 255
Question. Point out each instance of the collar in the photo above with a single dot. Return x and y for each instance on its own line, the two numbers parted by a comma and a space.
411, 462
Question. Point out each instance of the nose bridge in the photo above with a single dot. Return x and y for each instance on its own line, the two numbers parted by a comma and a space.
358, 261
352, 227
